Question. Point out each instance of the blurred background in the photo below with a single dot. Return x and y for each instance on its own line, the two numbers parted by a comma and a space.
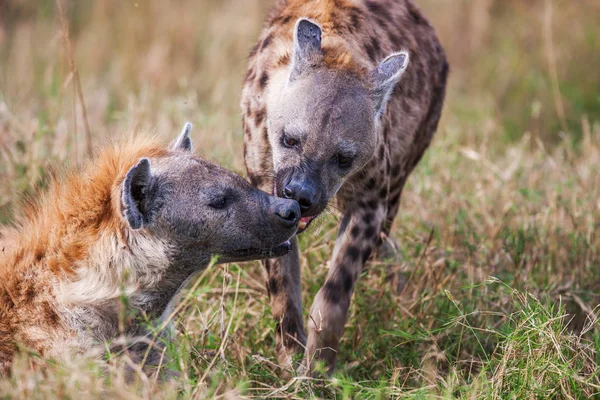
517, 66
509, 187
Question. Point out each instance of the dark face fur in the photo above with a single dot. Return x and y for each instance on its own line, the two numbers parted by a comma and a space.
203, 210
322, 123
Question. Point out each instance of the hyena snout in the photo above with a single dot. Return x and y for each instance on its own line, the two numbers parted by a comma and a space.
285, 212
304, 191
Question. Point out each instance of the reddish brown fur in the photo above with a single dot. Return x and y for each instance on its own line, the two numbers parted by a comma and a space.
331, 15
51, 236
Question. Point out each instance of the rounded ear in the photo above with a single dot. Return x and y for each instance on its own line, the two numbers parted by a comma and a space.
307, 47
385, 77
183, 141
134, 194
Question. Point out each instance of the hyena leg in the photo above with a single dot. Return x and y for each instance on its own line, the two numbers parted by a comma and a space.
283, 285
357, 237
387, 248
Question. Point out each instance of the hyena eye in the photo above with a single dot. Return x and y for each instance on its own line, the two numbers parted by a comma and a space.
289, 142
218, 203
343, 161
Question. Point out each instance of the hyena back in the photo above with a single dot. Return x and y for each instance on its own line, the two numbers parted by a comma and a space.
324, 118
137, 222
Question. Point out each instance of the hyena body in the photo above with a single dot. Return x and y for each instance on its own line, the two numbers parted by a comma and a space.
135, 223
323, 118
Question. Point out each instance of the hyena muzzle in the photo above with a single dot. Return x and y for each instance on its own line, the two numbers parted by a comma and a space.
325, 118
138, 221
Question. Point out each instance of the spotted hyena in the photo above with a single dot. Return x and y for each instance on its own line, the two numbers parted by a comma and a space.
137, 222
324, 117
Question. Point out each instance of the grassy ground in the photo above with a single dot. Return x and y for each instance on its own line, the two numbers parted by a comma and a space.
496, 292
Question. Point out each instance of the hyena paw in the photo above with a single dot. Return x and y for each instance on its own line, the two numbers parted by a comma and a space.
388, 251
289, 357
389, 254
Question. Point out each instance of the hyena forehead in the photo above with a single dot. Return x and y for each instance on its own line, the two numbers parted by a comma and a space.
324, 105
336, 102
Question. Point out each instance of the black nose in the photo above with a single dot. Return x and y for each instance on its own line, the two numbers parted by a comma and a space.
304, 194
288, 212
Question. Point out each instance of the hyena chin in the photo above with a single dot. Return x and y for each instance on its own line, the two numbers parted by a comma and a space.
135, 223
332, 109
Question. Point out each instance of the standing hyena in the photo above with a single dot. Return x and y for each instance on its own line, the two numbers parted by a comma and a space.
323, 117
136, 222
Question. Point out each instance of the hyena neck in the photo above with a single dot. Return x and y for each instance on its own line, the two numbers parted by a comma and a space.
141, 278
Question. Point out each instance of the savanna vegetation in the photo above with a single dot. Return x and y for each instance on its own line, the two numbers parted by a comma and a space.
495, 294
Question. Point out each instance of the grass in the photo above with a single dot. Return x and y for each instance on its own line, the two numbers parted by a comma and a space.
495, 294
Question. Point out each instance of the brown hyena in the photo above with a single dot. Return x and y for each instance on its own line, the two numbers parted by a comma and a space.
136, 222
324, 117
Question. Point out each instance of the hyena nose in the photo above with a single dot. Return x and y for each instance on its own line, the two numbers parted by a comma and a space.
288, 213
303, 194
305, 202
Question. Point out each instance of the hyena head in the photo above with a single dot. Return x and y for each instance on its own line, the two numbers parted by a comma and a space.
322, 121
201, 210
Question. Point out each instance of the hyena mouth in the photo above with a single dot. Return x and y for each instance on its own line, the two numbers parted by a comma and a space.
258, 253
304, 223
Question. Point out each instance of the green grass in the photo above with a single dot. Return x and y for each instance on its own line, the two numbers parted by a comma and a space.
495, 293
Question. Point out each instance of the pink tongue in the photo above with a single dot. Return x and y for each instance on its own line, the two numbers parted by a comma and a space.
306, 219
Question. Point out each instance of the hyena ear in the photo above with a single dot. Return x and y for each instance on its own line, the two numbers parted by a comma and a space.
385, 77
183, 142
135, 194
307, 47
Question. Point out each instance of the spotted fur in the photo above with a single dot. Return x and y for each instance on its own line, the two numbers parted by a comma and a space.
342, 97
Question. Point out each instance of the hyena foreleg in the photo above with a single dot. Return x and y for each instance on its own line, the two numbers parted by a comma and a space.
357, 237
283, 285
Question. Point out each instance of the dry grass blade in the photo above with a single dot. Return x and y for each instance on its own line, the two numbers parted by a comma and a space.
551, 56
76, 82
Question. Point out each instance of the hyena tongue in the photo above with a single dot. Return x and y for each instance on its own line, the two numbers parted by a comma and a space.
304, 221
